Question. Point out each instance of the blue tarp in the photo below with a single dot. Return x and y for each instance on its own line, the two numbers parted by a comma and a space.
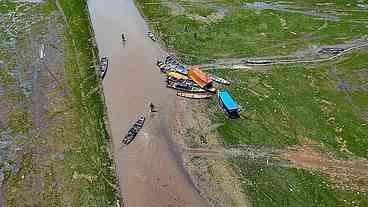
228, 101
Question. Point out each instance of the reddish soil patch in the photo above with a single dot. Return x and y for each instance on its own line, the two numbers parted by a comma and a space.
350, 173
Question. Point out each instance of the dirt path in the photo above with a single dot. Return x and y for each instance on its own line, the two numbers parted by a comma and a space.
149, 169
307, 57
351, 173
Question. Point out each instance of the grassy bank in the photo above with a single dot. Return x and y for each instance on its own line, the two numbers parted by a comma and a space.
55, 146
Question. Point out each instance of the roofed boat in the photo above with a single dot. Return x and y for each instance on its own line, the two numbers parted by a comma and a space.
201, 78
228, 103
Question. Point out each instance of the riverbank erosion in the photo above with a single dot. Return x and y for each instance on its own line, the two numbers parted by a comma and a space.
150, 170
54, 143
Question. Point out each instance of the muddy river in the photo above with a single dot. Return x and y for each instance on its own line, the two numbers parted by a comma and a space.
149, 169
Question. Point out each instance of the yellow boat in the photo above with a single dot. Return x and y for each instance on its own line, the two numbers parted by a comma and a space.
177, 75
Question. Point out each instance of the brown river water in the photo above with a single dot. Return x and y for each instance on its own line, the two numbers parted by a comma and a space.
150, 170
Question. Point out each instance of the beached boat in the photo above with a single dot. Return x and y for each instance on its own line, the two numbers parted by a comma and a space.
104, 64
201, 78
228, 103
152, 36
184, 87
171, 59
177, 75
133, 131
258, 62
194, 95
186, 81
218, 79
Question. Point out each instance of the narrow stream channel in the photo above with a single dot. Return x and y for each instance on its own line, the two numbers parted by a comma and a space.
148, 169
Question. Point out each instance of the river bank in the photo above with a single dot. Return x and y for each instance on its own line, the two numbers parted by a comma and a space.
54, 142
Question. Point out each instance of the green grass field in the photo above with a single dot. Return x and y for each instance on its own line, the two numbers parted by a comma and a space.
242, 32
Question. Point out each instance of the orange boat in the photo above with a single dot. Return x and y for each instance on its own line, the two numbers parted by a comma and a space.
201, 78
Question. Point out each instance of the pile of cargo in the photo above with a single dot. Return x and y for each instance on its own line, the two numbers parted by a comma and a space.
189, 80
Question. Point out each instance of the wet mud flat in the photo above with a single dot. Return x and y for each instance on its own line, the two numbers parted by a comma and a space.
150, 170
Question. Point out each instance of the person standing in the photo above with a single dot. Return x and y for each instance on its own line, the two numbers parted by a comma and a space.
123, 37
152, 107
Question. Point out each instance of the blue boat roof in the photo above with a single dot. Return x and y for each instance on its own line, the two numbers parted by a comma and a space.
228, 101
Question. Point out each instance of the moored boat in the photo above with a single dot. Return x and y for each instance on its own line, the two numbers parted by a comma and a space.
104, 64
177, 75
219, 80
194, 95
201, 79
184, 87
152, 36
133, 131
186, 81
163, 67
228, 103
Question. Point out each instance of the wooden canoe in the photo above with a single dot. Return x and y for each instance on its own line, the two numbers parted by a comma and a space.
104, 64
150, 35
177, 75
219, 80
133, 131
184, 87
194, 95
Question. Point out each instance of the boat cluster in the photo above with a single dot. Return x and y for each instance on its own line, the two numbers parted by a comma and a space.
190, 81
